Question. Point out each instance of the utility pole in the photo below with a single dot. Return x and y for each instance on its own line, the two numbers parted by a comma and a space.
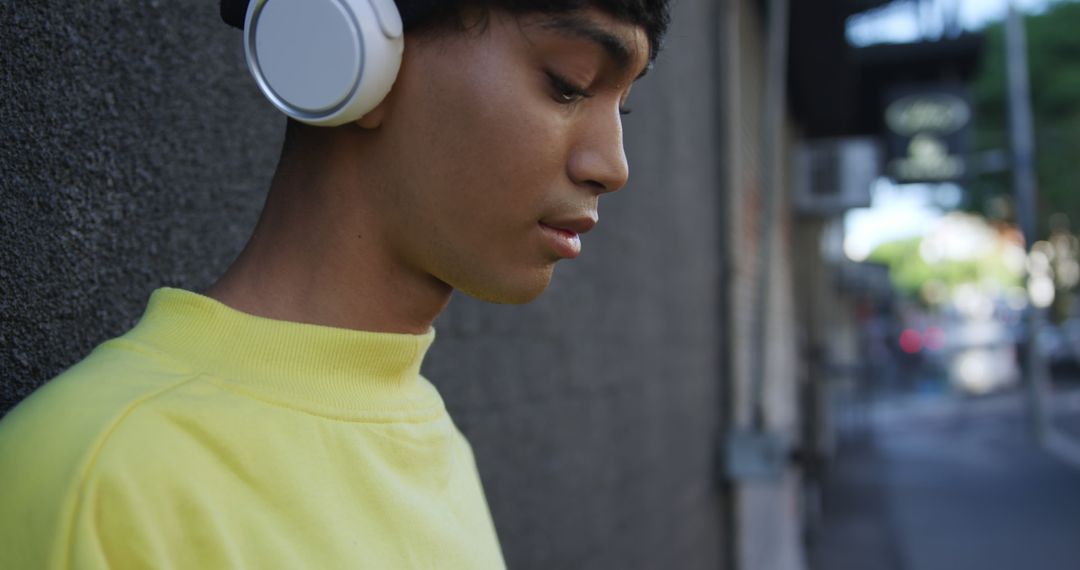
951, 25
1022, 134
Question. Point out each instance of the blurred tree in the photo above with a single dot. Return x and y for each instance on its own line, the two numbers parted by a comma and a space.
1054, 59
908, 270
924, 273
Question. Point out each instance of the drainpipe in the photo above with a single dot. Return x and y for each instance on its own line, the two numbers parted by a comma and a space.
772, 157
755, 454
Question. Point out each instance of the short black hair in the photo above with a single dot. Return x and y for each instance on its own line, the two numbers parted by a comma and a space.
651, 15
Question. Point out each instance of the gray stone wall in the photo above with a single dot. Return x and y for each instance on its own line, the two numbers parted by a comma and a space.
135, 154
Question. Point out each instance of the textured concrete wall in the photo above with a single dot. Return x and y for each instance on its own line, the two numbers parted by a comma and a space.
594, 410
135, 155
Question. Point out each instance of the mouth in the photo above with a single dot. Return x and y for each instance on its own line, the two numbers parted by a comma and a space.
564, 236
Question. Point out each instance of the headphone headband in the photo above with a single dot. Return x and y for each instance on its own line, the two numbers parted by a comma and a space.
233, 12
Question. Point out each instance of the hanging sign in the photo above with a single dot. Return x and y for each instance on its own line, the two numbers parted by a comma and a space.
927, 129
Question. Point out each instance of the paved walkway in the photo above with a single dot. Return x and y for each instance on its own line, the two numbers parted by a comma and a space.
950, 484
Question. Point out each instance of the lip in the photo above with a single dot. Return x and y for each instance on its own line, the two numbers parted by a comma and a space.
564, 235
577, 225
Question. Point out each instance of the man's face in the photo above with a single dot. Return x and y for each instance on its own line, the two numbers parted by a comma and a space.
500, 140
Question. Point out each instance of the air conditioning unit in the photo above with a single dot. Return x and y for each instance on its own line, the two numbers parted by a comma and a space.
831, 176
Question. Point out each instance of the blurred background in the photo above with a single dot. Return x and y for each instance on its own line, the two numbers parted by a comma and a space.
830, 324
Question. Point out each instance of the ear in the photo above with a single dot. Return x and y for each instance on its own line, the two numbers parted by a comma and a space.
375, 117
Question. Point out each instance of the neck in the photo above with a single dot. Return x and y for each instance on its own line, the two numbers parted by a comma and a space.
318, 254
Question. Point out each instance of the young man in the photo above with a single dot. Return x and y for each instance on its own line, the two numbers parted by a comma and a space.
279, 420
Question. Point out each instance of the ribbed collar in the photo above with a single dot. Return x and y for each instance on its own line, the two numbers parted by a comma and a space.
330, 371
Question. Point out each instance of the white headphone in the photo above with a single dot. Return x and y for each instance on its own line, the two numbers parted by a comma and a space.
324, 62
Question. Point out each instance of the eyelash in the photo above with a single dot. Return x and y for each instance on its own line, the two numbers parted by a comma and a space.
567, 93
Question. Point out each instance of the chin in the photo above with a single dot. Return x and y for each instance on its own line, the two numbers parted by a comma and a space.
517, 291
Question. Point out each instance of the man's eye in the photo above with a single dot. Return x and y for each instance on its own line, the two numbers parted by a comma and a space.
565, 91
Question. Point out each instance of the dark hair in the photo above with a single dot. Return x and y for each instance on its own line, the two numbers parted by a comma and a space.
650, 15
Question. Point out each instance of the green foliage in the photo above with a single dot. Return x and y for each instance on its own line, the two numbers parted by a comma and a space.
906, 266
910, 272
1054, 60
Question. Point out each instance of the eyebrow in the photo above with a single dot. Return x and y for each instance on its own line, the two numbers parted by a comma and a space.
581, 28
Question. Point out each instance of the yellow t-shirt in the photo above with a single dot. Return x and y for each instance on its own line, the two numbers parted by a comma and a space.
208, 438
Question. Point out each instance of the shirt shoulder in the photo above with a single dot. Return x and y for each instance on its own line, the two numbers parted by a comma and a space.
49, 442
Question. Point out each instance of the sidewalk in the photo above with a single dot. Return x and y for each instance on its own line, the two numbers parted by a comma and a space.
949, 484
856, 531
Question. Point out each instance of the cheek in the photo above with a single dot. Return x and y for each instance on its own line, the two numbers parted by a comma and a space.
490, 135
486, 150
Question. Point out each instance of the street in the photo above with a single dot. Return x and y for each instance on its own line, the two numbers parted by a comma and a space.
950, 483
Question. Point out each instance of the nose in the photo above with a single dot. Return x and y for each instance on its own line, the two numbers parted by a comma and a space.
598, 159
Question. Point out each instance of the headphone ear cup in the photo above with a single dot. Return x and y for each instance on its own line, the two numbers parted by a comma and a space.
324, 62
